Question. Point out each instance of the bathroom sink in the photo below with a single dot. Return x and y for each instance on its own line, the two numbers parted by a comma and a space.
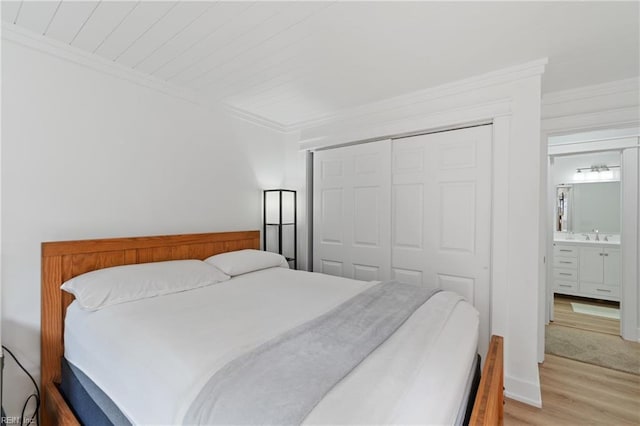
614, 240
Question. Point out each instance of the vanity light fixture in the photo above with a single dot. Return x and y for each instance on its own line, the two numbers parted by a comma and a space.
606, 174
597, 172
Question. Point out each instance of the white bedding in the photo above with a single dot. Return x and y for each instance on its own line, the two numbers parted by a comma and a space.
177, 341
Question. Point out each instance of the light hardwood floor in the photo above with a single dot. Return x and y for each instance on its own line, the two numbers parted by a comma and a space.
575, 393
564, 315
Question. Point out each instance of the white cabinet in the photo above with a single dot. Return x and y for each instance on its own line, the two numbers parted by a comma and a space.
591, 264
588, 271
600, 272
612, 267
565, 269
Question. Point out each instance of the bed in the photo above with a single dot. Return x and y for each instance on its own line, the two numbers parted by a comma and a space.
256, 306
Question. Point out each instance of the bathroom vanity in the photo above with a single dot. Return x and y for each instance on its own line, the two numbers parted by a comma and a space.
586, 260
587, 268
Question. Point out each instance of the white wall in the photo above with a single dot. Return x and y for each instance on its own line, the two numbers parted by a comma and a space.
88, 155
511, 99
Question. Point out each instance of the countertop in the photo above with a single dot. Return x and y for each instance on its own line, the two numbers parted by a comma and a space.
582, 242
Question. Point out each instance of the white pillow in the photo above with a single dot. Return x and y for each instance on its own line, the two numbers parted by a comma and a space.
243, 261
110, 286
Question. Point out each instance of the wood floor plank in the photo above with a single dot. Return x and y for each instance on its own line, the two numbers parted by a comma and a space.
575, 393
563, 315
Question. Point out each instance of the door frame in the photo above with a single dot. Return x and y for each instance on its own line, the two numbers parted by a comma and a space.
628, 148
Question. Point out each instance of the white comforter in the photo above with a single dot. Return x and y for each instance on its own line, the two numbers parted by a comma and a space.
152, 356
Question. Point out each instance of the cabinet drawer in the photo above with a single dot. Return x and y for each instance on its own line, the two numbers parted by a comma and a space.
565, 286
599, 290
565, 251
565, 262
565, 274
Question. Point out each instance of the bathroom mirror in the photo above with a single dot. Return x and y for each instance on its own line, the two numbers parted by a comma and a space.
582, 207
563, 194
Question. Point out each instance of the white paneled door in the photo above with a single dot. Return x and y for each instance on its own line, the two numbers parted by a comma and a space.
415, 209
441, 214
352, 211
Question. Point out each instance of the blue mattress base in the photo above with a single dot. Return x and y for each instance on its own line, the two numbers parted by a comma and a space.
88, 402
475, 384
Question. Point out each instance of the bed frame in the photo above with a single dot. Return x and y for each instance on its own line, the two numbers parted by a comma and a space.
64, 260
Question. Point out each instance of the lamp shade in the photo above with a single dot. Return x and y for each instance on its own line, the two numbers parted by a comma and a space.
272, 206
280, 223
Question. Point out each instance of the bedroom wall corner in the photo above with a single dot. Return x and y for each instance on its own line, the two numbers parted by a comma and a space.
90, 154
295, 178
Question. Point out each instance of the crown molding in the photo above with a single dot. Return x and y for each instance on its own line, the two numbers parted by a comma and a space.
593, 91
26, 38
445, 119
611, 118
257, 119
502, 76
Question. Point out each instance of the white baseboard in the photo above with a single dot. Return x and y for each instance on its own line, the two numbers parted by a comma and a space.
520, 390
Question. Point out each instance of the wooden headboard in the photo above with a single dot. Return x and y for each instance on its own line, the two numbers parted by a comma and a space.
63, 260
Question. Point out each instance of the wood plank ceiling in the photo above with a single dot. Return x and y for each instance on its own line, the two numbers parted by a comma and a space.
292, 62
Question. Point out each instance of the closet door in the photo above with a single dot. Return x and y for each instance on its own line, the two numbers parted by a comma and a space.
351, 219
441, 214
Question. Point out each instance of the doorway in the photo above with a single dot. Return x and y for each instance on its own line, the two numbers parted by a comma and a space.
586, 257
592, 193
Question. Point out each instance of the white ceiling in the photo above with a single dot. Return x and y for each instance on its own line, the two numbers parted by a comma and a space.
292, 62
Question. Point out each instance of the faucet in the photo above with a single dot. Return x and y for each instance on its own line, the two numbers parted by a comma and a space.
597, 236
586, 237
